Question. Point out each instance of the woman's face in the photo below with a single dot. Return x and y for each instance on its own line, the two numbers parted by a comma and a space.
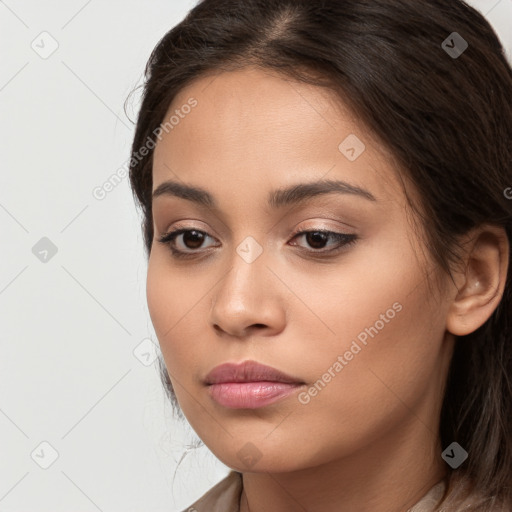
352, 320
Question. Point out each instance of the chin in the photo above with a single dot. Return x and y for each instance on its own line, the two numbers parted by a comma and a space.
255, 458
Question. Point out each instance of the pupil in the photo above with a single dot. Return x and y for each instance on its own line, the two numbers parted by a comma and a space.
316, 234
193, 234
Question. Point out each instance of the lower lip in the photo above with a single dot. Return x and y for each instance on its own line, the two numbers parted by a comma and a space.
250, 395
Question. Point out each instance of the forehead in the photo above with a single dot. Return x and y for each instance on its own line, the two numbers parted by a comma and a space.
251, 127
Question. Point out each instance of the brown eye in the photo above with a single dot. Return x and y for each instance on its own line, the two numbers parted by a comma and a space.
318, 239
192, 240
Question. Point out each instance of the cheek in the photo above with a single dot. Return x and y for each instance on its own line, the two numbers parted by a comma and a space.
375, 291
165, 299
170, 293
387, 335
159, 295
177, 305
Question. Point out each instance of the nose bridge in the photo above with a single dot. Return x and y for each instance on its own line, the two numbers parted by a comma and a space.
246, 295
247, 269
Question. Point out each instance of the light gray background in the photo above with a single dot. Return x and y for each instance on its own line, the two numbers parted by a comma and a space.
73, 327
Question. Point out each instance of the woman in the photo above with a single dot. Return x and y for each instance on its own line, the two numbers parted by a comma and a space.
326, 198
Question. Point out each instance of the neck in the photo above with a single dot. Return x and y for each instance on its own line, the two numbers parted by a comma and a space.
390, 475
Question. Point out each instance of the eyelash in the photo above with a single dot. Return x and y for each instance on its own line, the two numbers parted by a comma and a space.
345, 240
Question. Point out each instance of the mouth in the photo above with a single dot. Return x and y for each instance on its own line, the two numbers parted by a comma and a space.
249, 385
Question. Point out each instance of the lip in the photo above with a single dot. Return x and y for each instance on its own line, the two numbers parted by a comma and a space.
247, 371
249, 385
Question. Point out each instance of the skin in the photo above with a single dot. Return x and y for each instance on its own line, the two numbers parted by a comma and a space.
376, 422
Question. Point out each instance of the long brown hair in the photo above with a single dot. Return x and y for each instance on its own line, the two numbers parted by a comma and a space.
445, 117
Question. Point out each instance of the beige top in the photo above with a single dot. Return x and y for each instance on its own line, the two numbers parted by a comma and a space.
225, 497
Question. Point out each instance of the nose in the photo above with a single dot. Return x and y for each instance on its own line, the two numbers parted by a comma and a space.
249, 300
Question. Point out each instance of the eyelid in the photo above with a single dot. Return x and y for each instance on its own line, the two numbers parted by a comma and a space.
179, 225
317, 226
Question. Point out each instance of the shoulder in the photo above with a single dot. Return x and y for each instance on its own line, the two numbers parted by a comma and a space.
222, 497
431, 499
460, 496
456, 498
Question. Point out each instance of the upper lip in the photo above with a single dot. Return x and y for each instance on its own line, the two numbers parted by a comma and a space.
247, 371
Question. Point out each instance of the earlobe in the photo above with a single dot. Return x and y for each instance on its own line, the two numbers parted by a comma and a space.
481, 285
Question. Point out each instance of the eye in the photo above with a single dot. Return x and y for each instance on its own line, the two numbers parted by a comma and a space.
192, 239
317, 239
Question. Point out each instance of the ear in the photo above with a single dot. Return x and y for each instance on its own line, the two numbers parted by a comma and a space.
481, 283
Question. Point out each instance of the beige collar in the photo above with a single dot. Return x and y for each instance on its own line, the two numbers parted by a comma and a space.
225, 497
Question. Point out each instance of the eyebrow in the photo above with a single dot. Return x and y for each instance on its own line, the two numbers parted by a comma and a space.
276, 199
